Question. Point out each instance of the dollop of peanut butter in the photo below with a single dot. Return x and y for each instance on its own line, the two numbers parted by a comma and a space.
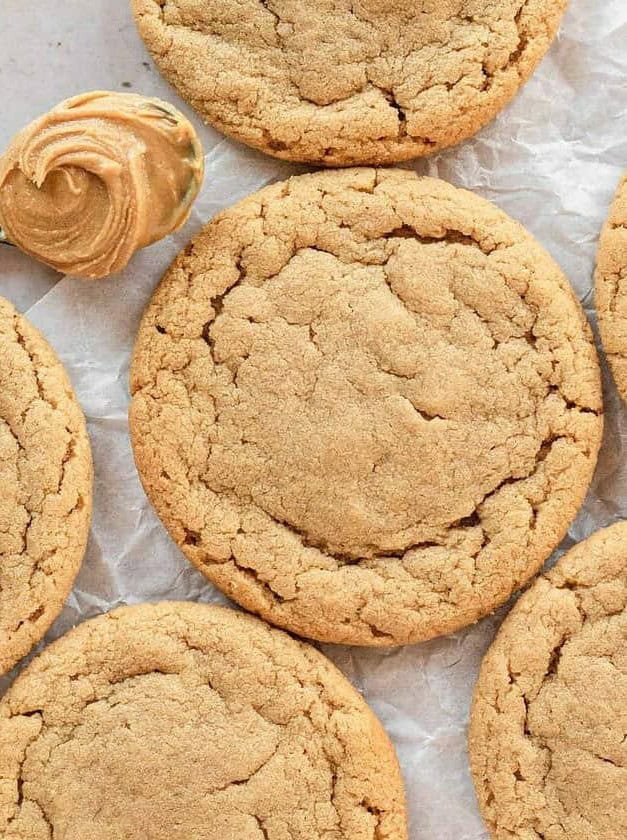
98, 177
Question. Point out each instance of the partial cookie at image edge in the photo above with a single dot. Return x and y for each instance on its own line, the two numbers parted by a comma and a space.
46, 479
133, 698
547, 730
611, 287
279, 84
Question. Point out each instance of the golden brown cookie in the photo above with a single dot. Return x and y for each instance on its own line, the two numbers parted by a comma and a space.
45, 486
179, 721
366, 405
338, 82
548, 744
611, 288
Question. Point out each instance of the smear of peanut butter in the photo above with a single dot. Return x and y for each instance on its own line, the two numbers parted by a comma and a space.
98, 177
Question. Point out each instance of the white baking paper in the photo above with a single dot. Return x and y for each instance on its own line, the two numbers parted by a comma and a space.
551, 160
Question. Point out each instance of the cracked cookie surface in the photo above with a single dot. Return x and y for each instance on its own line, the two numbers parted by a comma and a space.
45, 486
366, 405
184, 720
548, 733
348, 81
611, 288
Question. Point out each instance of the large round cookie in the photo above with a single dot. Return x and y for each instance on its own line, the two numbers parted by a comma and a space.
179, 721
366, 405
611, 288
547, 736
45, 486
340, 82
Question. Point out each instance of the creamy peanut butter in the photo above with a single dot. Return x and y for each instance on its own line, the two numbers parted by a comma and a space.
98, 177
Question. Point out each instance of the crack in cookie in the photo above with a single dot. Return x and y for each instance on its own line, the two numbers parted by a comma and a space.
611, 288
548, 743
340, 83
45, 481
366, 405
114, 715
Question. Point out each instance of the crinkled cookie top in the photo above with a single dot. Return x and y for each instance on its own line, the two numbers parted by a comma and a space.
547, 737
366, 405
611, 288
45, 486
339, 82
180, 721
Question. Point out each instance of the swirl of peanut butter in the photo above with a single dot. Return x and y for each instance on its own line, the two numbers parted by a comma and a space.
98, 177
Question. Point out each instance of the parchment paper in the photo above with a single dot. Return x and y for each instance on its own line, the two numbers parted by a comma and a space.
552, 160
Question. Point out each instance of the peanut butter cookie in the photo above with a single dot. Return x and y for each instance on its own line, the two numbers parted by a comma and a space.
45, 486
547, 736
611, 288
366, 405
340, 82
179, 721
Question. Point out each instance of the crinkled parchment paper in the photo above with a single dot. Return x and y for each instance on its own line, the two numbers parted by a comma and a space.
551, 160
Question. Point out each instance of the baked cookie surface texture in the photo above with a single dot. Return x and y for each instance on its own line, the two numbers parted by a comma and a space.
366, 405
547, 735
179, 721
611, 288
45, 486
339, 82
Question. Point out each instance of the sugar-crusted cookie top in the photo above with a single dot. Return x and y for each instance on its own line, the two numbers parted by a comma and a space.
547, 737
45, 486
338, 82
366, 405
175, 721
